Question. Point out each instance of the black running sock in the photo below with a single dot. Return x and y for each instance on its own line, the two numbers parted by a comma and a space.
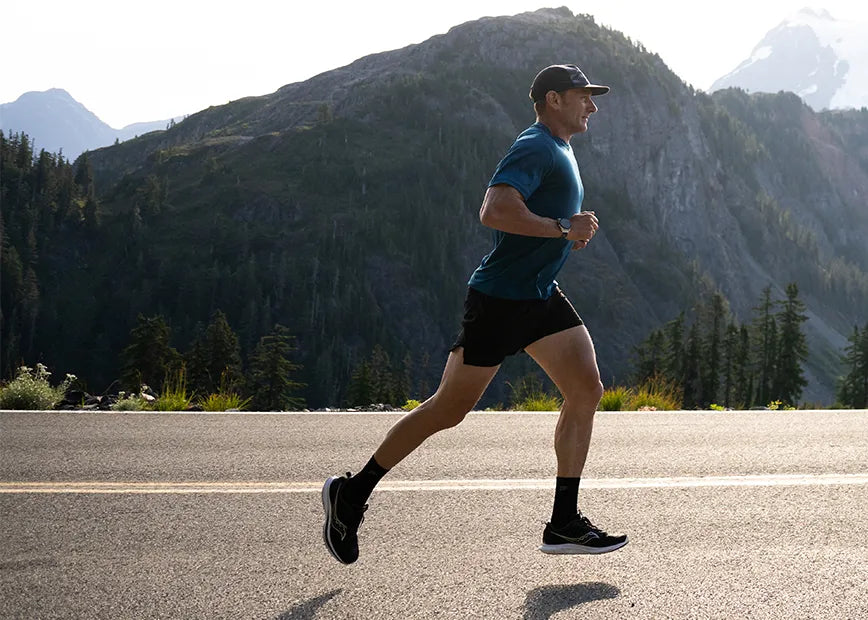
566, 500
359, 487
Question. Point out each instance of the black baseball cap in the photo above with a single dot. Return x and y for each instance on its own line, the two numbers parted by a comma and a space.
559, 78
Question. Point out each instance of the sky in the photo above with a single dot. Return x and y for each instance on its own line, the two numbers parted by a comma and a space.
133, 61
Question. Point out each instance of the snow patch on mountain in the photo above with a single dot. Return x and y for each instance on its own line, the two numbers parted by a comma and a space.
822, 59
849, 41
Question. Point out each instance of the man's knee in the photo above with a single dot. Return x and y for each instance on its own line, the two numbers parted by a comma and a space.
452, 411
597, 390
586, 390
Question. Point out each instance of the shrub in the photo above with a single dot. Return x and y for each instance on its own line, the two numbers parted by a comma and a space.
132, 402
30, 390
657, 393
174, 396
776, 404
411, 404
615, 399
224, 401
715, 407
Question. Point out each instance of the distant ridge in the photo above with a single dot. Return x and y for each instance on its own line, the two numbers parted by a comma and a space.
55, 121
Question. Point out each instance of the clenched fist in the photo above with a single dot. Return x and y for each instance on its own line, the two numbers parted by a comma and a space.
583, 226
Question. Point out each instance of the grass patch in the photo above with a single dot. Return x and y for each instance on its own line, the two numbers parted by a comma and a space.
615, 399
174, 396
528, 394
224, 401
656, 394
538, 402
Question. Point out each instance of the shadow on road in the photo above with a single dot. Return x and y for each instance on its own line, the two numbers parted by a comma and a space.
306, 610
542, 603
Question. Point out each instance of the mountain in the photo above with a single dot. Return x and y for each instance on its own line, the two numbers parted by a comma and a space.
55, 121
346, 208
821, 59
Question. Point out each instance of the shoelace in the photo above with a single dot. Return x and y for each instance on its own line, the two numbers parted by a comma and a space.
587, 523
359, 511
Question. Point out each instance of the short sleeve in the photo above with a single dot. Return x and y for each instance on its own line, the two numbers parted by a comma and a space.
524, 166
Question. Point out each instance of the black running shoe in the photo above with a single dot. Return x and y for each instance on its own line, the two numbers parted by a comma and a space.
579, 536
342, 521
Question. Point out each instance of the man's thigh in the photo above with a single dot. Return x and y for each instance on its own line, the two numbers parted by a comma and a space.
463, 383
568, 358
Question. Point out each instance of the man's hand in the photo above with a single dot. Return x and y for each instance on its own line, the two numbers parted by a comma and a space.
583, 227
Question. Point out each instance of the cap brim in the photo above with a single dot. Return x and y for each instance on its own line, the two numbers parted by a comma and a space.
596, 89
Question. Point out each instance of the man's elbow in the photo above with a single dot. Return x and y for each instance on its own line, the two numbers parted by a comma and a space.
485, 215
489, 212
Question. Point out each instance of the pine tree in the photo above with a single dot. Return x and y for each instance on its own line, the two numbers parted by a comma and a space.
84, 176
712, 350
214, 361
650, 356
730, 363
743, 380
11, 295
405, 380
361, 389
376, 381
423, 390
853, 387
792, 349
765, 346
24, 154
269, 381
382, 376
148, 359
673, 358
692, 378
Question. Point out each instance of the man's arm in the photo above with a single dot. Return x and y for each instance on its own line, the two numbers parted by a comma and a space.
504, 209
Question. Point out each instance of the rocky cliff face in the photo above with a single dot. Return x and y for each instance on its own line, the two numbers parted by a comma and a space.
388, 158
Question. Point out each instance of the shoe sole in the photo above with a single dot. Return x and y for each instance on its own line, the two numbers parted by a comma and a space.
327, 526
572, 549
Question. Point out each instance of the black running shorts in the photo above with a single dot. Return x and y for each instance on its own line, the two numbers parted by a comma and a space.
493, 328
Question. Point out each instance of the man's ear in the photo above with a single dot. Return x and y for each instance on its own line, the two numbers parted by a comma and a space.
553, 98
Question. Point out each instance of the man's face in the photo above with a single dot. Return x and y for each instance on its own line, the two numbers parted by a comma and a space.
575, 107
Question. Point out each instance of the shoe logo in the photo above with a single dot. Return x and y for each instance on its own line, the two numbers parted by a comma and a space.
585, 538
336, 523
340, 527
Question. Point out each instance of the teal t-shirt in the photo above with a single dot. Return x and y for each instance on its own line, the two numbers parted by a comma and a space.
543, 169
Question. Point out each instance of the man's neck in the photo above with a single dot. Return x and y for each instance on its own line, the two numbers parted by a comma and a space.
555, 129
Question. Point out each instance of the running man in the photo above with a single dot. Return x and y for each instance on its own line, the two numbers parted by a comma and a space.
513, 303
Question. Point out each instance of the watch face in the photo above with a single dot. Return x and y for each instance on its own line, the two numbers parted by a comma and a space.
564, 223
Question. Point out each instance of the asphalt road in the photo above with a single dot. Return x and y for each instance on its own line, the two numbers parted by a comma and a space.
730, 515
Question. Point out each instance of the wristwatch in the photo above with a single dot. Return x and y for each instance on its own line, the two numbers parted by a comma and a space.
564, 223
